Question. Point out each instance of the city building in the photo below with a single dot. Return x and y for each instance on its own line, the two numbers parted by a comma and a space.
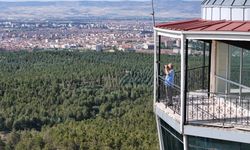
211, 95
98, 47
148, 46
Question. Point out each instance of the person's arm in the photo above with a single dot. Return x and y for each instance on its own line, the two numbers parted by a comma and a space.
166, 70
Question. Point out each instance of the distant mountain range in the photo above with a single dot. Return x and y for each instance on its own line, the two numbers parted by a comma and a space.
98, 9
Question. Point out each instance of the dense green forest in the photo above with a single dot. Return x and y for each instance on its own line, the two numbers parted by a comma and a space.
81, 100
76, 100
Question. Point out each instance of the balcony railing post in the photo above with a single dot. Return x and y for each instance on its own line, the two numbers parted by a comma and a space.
203, 65
183, 81
186, 83
248, 112
209, 67
159, 66
155, 68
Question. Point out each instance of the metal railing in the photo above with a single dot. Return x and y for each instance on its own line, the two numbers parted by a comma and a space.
164, 98
202, 106
222, 109
196, 76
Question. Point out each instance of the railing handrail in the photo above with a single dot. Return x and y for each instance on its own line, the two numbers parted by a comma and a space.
174, 85
197, 68
217, 94
177, 72
193, 68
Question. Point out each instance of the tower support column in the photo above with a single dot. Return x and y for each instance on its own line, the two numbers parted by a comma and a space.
183, 82
155, 90
184, 55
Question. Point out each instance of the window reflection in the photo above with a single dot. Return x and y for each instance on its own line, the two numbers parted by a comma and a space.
235, 53
245, 93
233, 66
222, 60
221, 86
246, 68
233, 89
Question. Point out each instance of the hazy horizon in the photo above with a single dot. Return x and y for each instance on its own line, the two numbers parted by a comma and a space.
65, 9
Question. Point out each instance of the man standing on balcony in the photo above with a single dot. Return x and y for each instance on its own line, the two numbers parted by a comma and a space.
169, 82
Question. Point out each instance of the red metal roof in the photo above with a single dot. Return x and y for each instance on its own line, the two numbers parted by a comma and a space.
207, 25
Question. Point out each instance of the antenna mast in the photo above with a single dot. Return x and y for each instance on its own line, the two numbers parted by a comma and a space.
153, 12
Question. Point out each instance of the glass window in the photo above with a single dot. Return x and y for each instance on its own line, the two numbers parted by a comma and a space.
245, 93
233, 89
222, 60
245, 75
207, 49
200, 143
221, 86
235, 53
233, 64
198, 62
169, 137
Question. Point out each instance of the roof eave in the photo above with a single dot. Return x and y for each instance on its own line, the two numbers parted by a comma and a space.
205, 35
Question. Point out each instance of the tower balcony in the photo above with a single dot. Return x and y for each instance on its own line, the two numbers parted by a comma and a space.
210, 94
206, 108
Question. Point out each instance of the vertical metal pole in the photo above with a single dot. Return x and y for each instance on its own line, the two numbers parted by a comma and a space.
228, 68
241, 65
158, 123
159, 66
240, 79
183, 79
186, 84
155, 90
185, 142
209, 67
203, 67
153, 12
155, 67
159, 53
183, 87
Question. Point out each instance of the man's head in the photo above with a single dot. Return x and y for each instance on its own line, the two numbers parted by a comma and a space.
170, 66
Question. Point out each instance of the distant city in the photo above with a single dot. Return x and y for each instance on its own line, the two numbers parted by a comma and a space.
82, 35
86, 25
97, 35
